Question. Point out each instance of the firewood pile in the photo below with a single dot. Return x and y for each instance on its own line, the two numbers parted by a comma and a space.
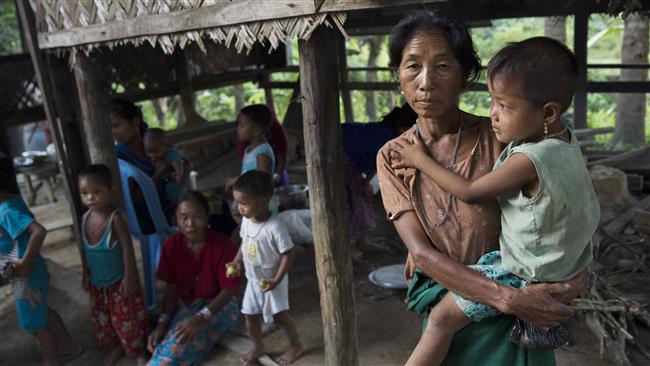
616, 307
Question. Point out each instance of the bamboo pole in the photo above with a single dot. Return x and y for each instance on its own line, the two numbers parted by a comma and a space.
322, 132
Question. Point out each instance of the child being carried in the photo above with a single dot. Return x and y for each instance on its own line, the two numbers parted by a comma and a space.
549, 209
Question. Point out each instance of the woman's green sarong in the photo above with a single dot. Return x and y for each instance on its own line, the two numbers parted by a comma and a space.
484, 343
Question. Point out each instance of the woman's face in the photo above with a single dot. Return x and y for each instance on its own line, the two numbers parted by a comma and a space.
430, 75
124, 130
192, 220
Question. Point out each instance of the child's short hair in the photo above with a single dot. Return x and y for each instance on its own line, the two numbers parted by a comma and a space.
99, 173
196, 197
256, 183
543, 69
8, 175
154, 134
260, 115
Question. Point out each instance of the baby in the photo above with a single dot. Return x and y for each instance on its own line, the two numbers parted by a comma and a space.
169, 164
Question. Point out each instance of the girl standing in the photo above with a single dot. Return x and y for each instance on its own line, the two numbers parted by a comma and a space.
110, 273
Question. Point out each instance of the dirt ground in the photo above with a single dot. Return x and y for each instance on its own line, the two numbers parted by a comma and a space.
387, 332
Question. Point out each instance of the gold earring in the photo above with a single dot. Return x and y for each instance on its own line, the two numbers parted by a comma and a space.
545, 129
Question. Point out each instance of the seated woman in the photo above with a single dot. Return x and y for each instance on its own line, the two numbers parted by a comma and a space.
127, 128
198, 306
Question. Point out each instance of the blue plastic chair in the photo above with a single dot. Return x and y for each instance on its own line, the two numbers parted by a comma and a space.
150, 244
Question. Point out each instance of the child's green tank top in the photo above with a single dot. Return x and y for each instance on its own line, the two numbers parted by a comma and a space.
547, 238
104, 259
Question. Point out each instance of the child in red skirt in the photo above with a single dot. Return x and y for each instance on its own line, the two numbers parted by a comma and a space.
110, 273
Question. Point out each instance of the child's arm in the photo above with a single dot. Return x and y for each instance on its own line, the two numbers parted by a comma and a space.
286, 261
515, 172
162, 167
23, 266
130, 281
265, 164
236, 264
178, 168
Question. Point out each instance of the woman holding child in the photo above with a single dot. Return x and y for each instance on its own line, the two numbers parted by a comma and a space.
434, 59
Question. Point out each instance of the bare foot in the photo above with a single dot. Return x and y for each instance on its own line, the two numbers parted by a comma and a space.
290, 354
252, 355
112, 358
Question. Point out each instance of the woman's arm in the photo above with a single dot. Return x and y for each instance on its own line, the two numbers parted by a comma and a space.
533, 304
170, 298
515, 172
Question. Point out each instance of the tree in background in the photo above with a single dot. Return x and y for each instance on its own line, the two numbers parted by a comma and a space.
10, 42
555, 27
374, 44
631, 107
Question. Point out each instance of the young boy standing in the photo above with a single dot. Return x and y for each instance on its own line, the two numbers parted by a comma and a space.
267, 253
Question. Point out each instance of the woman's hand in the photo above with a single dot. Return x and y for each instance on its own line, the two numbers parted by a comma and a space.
408, 155
187, 329
21, 268
155, 336
565, 292
536, 305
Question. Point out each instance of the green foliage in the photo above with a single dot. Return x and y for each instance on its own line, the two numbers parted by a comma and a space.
604, 47
10, 42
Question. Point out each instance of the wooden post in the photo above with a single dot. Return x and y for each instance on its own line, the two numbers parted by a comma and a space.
67, 127
348, 112
185, 89
268, 91
48, 90
322, 131
93, 88
580, 48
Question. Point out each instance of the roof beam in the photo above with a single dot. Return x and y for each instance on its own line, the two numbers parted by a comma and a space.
222, 14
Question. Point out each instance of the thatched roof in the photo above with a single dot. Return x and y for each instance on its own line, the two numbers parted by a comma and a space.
88, 24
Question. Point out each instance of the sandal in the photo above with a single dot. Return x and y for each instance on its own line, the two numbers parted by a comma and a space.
72, 355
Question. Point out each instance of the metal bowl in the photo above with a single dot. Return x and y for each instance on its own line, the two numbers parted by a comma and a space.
293, 196
21, 162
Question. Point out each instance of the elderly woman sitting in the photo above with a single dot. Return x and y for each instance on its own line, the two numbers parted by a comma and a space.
198, 306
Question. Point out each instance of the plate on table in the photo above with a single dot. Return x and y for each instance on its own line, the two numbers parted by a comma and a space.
22, 162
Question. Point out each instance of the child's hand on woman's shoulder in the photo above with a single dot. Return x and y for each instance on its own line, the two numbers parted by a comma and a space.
406, 154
